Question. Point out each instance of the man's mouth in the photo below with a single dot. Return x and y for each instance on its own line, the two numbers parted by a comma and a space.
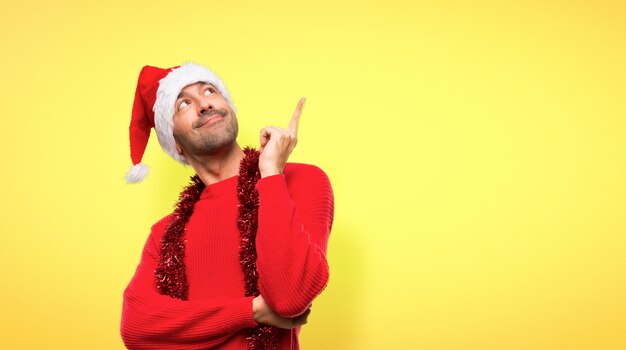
210, 117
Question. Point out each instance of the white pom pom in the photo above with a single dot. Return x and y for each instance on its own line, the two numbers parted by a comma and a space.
137, 173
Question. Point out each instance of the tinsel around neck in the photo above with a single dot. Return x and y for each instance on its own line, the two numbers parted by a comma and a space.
170, 274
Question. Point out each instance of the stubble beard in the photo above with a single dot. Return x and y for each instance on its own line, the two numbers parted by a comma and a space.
209, 142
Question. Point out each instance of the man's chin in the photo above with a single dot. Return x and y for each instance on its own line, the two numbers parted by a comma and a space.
218, 147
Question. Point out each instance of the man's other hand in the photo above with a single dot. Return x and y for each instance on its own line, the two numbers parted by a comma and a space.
262, 313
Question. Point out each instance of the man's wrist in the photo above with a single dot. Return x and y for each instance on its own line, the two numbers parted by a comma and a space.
257, 310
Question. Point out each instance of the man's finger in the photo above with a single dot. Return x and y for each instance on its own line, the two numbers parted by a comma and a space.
295, 119
265, 136
302, 319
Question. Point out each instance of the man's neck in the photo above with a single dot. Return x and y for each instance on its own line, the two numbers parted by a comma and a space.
218, 166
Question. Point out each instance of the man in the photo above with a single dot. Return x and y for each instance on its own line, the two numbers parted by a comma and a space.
240, 260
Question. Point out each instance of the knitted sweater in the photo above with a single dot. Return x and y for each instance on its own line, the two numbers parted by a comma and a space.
296, 211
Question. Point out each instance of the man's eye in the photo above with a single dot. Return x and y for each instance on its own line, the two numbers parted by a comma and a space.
208, 91
183, 104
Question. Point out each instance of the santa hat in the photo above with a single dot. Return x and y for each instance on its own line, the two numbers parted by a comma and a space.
155, 96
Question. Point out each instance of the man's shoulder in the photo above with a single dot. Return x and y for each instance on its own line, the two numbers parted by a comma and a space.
158, 228
305, 175
300, 170
308, 185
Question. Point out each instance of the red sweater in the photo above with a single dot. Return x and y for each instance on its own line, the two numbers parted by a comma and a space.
296, 211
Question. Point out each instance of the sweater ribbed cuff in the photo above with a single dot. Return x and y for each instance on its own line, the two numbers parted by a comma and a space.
244, 311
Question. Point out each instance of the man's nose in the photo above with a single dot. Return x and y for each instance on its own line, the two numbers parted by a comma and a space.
205, 105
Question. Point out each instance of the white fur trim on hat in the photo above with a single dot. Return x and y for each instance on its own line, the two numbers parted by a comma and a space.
137, 173
169, 88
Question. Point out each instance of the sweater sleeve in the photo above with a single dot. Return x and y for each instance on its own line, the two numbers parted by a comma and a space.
295, 218
151, 320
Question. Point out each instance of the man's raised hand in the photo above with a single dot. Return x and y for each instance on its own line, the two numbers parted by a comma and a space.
277, 144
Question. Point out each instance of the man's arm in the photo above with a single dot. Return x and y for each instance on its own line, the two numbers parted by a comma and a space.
294, 223
295, 217
154, 321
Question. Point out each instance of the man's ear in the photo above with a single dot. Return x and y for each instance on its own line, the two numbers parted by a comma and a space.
179, 149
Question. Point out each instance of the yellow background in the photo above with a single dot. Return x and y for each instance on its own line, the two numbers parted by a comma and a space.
477, 152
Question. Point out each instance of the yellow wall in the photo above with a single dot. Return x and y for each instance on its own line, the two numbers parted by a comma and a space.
476, 149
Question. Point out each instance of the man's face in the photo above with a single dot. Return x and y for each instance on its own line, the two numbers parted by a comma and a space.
203, 120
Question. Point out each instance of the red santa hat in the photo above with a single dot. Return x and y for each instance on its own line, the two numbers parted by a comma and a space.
155, 96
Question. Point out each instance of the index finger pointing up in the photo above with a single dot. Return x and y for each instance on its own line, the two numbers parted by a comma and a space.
295, 119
